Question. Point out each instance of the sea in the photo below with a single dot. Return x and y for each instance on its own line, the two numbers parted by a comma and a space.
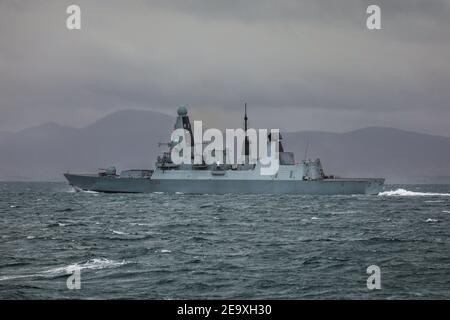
56, 243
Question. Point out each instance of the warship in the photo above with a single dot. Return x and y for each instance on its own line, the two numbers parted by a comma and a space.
304, 177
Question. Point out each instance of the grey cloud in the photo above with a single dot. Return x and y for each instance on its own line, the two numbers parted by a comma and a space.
311, 63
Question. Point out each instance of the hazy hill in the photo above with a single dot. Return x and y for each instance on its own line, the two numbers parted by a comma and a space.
128, 139
400, 156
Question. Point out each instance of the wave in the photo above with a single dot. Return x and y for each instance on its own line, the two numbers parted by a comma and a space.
65, 210
119, 232
343, 212
93, 264
142, 224
16, 277
56, 224
77, 190
90, 191
164, 251
407, 193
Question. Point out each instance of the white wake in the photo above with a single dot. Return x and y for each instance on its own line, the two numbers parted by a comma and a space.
407, 193
93, 264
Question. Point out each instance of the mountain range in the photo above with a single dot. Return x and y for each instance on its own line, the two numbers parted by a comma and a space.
129, 139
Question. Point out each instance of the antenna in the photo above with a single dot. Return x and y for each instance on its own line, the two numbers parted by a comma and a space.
245, 130
245, 117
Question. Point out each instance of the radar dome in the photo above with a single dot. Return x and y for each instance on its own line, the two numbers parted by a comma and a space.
182, 111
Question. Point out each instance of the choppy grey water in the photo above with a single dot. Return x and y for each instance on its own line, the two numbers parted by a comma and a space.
176, 246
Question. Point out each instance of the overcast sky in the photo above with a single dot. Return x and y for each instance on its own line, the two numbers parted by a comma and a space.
301, 65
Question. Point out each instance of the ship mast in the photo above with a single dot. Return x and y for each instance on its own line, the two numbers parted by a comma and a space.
245, 129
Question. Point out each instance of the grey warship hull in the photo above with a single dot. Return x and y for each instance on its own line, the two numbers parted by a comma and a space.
223, 186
